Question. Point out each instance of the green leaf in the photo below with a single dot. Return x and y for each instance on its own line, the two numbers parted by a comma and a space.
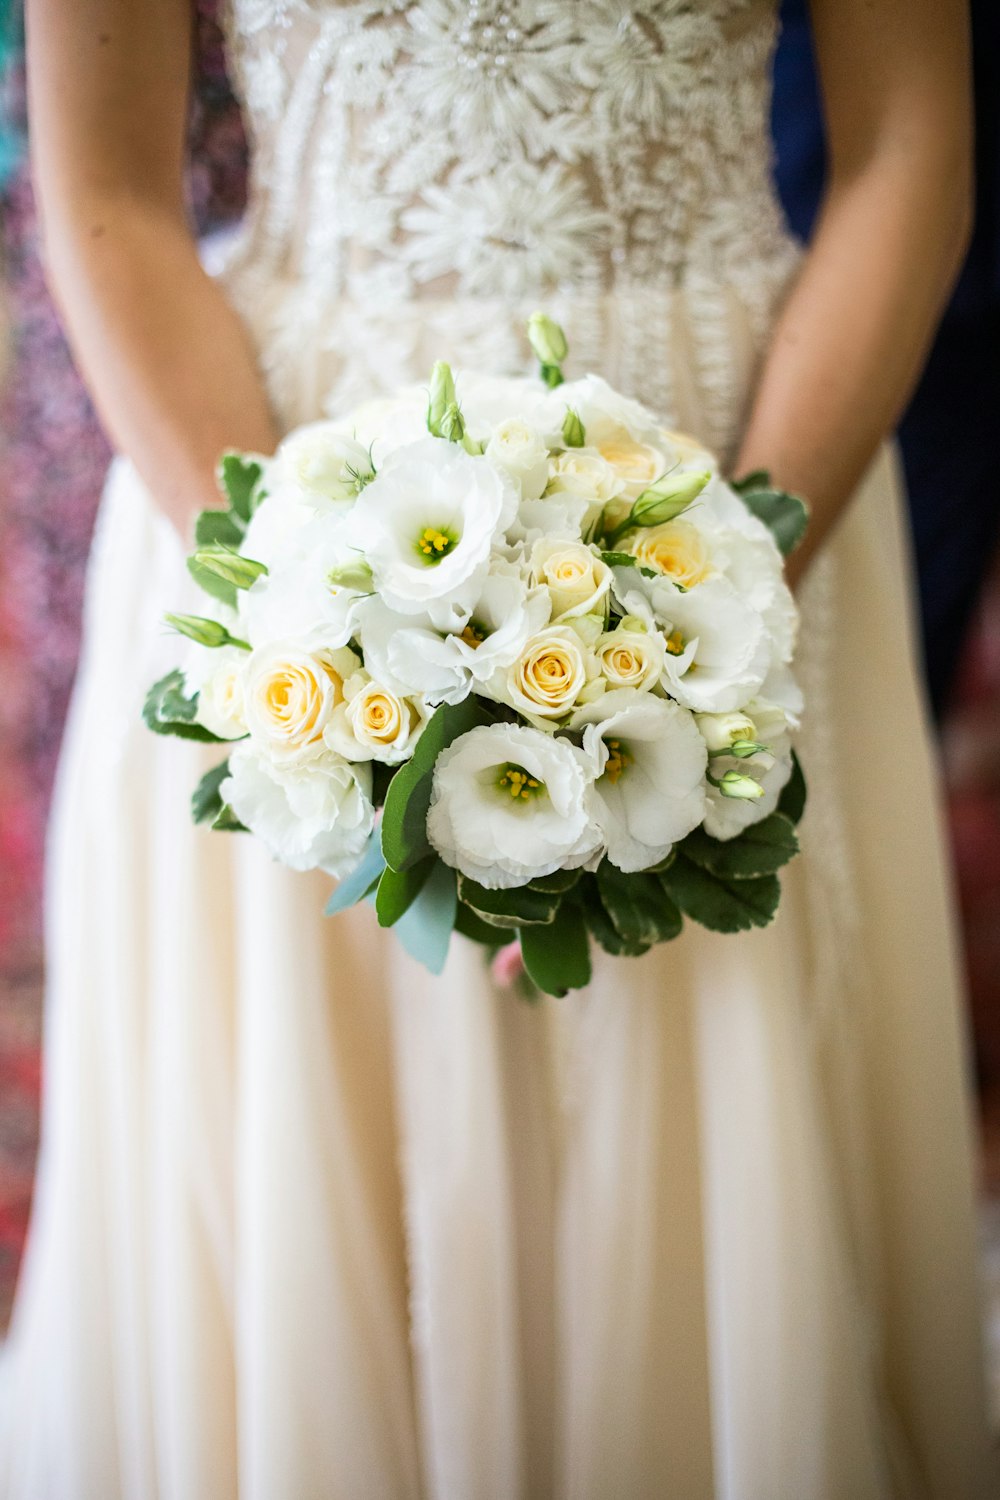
238, 478
211, 583
603, 929
226, 821
518, 907
218, 528
476, 930
721, 905
398, 889
206, 803
167, 711
626, 560
785, 515
356, 885
757, 479
557, 956
425, 930
792, 801
639, 907
556, 883
760, 849
404, 819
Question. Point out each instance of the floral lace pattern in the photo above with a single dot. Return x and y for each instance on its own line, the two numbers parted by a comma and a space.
472, 158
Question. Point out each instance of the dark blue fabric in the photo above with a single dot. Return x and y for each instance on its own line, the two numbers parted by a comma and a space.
950, 435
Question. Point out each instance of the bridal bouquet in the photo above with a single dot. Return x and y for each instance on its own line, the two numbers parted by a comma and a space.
510, 659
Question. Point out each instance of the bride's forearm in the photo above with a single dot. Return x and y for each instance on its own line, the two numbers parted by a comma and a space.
854, 332
168, 362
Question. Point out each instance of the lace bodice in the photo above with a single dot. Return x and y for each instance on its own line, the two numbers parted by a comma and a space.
479, 157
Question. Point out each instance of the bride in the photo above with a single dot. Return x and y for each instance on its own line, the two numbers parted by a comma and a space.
310, 1224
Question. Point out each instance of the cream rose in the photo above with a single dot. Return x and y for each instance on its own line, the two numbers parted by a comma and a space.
551, 672
583, 472
638, 465
290, 697
630, 658
677, 549
374, 723
577, 579
221, 698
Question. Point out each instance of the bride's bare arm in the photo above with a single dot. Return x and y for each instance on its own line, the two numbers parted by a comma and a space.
851, 340
170, 366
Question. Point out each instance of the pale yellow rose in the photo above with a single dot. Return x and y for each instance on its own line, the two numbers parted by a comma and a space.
577, 579
550, 673
291, 695
676, 549
583, 472
630, 658
687, 449
221, 698
638, 465
374, 723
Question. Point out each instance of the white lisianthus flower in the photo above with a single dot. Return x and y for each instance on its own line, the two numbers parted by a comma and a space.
290, 696
549, 674
312, 591
510, 804
607, 415
412, 657
319, 464
717, 650
317, 815
755, 568
427, 525
577, 579
726, 817
631, 656
274, 527
521, 453
221, 698
374, 723
649, 760
560, 517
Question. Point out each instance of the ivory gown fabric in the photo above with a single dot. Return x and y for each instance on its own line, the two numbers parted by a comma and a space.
312, 1225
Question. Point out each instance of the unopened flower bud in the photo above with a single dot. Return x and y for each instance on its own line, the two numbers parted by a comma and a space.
442, 403
547, 339
668, 497
204, 631
237, 570
733, 784
722, 731
573, 432
351, 575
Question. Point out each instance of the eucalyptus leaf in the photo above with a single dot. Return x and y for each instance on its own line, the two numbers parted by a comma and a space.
167, 710
356, 885
206, 803
760, 849
721, 905
757, 479
557, 956
404, 818
398, 889
425, 929
785, 515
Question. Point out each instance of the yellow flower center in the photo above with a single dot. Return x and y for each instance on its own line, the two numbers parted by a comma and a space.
473, 635
519, 784
675, 643
433, 544
618, 760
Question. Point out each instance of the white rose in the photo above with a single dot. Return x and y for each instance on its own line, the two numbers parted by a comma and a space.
631, 657
520, 452
290, 697
577, 579
650, 762
314, 815
510, 804
374, 723
320, 463
427, 524
726, 817
550, 673
221, 706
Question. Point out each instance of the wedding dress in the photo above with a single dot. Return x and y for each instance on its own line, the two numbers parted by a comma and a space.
313, 1225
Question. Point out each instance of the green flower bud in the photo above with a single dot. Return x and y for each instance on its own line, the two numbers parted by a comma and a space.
442, 400
668, 497
573, 431
351, 575
240, 571
204, 631
744, 788
547, 339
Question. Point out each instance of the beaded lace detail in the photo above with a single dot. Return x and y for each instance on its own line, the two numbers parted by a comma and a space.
480, 157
